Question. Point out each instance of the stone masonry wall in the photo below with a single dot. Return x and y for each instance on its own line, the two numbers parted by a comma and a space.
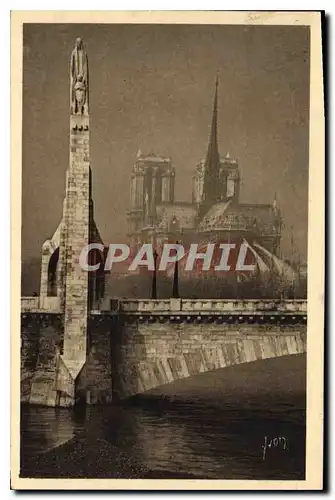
147, 355
45, 379
94, 382
41, 342
30, 332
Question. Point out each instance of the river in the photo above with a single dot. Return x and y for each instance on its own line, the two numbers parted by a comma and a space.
242, 422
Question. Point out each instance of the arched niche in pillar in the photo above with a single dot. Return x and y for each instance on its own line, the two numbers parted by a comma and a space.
52, 274
97, 277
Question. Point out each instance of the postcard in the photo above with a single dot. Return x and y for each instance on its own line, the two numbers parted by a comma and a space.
168, 177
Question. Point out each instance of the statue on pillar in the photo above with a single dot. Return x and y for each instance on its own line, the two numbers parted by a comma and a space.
79, 80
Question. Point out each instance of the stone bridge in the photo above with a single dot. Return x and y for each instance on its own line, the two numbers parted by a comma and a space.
136, 345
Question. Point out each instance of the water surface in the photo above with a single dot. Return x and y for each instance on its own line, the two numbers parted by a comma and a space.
210, 426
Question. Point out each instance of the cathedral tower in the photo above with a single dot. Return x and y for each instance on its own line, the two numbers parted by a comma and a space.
152, 184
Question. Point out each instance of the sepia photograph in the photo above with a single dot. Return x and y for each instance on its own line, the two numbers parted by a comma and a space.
169, 304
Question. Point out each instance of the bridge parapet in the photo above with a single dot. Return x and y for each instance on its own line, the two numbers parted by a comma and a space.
182, 307
212, 306
252, 306
30, 304
40, 304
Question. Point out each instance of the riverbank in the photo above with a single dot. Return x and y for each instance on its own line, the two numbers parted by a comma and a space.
83, 457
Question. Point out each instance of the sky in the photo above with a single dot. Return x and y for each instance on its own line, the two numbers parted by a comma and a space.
151, 88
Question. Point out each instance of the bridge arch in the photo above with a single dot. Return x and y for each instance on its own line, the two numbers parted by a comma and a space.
148, 355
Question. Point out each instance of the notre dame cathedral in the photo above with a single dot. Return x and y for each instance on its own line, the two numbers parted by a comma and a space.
215, 212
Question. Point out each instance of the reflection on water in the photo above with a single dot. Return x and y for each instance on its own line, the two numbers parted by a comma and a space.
214, 435
45, 428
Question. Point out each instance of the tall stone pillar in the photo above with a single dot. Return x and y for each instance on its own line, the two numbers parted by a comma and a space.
63, 351
75, 231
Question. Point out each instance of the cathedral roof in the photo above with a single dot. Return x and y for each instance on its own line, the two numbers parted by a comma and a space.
227, 216
152, 157
266, 264
183, 212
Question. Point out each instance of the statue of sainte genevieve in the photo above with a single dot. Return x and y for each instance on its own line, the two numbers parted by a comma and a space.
79, 80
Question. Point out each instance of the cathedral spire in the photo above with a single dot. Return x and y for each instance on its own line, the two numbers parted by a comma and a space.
212, 162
